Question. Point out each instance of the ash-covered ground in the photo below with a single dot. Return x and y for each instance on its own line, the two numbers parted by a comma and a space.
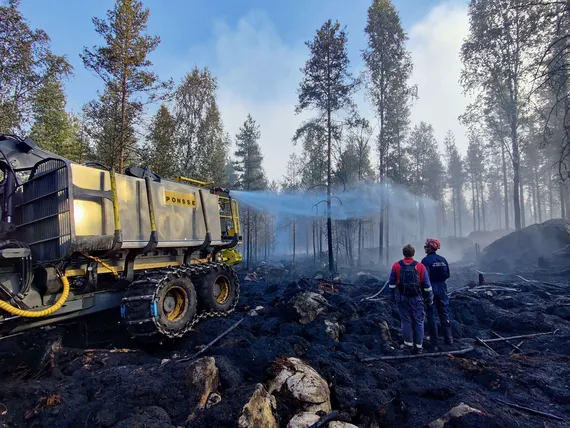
96, 377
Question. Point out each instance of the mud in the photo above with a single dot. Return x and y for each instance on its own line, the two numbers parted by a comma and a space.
97, 377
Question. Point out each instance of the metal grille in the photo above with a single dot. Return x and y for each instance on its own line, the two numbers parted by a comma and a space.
44, 211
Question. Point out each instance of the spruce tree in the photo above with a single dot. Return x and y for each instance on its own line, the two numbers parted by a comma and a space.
161, 143
250, 172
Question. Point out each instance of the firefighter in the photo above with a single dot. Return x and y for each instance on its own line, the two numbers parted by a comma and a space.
438, 272
411, 281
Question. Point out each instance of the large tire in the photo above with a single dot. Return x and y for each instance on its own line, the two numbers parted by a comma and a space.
216, 287
159, 306
176, 304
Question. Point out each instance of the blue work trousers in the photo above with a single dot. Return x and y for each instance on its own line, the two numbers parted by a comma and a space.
412, 313
440, 304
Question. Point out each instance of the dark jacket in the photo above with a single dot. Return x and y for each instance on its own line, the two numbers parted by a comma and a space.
437, 267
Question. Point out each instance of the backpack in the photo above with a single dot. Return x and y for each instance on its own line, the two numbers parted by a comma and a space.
409, 285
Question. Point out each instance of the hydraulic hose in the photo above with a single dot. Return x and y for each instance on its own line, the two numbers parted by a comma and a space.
44, 313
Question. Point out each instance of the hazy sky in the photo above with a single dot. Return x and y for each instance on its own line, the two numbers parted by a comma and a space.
256, 47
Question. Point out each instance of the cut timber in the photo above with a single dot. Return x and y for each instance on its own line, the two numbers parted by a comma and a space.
524, 336
515, 347
536, 412
412, 357
480, 341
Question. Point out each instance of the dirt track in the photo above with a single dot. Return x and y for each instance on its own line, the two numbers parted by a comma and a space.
104, 389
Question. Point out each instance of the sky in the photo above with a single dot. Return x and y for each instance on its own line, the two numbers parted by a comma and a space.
255, 48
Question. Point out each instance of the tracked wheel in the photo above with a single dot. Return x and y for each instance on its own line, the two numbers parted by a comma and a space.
157, 308
169, 303
217, 287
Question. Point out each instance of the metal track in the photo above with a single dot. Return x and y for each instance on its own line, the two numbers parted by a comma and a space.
137, 304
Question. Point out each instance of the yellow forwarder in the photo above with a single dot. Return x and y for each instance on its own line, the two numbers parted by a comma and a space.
78, 239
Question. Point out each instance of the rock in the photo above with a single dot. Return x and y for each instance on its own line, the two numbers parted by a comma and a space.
300, 381
150, 417
338, 424
204, 378
258, 412
213, 399
385, 332
303, 420
333, 330
306, 419
309, 306
252, 276
457, 412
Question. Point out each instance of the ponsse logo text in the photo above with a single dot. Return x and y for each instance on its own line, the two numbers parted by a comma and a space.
184, 199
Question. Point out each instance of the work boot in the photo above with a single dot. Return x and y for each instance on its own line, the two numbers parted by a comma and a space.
417, 350
433, 336
406, 348
448, 336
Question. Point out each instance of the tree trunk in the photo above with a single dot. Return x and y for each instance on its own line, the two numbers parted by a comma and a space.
314, 246
538, 201
567, 199
307, 238
387, 227
329, 194
123, 122
522, 208
562, 201
474, 205
517, 203
550, 196
505, 186
248, 238
483, 206
294, 240
453, 202
459, 220
359, 262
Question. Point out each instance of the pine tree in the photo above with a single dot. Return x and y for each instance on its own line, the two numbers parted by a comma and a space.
498, 59
426, 169
54, 129
26, 62
104, 120
123, 64
456, 179
327, 86
388, 69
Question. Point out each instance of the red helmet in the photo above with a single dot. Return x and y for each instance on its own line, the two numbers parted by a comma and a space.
432, 244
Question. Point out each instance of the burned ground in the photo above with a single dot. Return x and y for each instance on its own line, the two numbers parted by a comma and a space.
98, 377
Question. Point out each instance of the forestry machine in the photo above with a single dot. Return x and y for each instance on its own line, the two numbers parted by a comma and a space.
77, 239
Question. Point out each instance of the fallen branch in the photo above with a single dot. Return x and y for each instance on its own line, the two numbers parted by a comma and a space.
528, 409
507, 274
516, 347
482, 342
524, 336
201, 351
491, 288
329, 417
411, 357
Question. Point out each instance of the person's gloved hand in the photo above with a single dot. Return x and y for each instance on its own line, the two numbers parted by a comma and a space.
428, 301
